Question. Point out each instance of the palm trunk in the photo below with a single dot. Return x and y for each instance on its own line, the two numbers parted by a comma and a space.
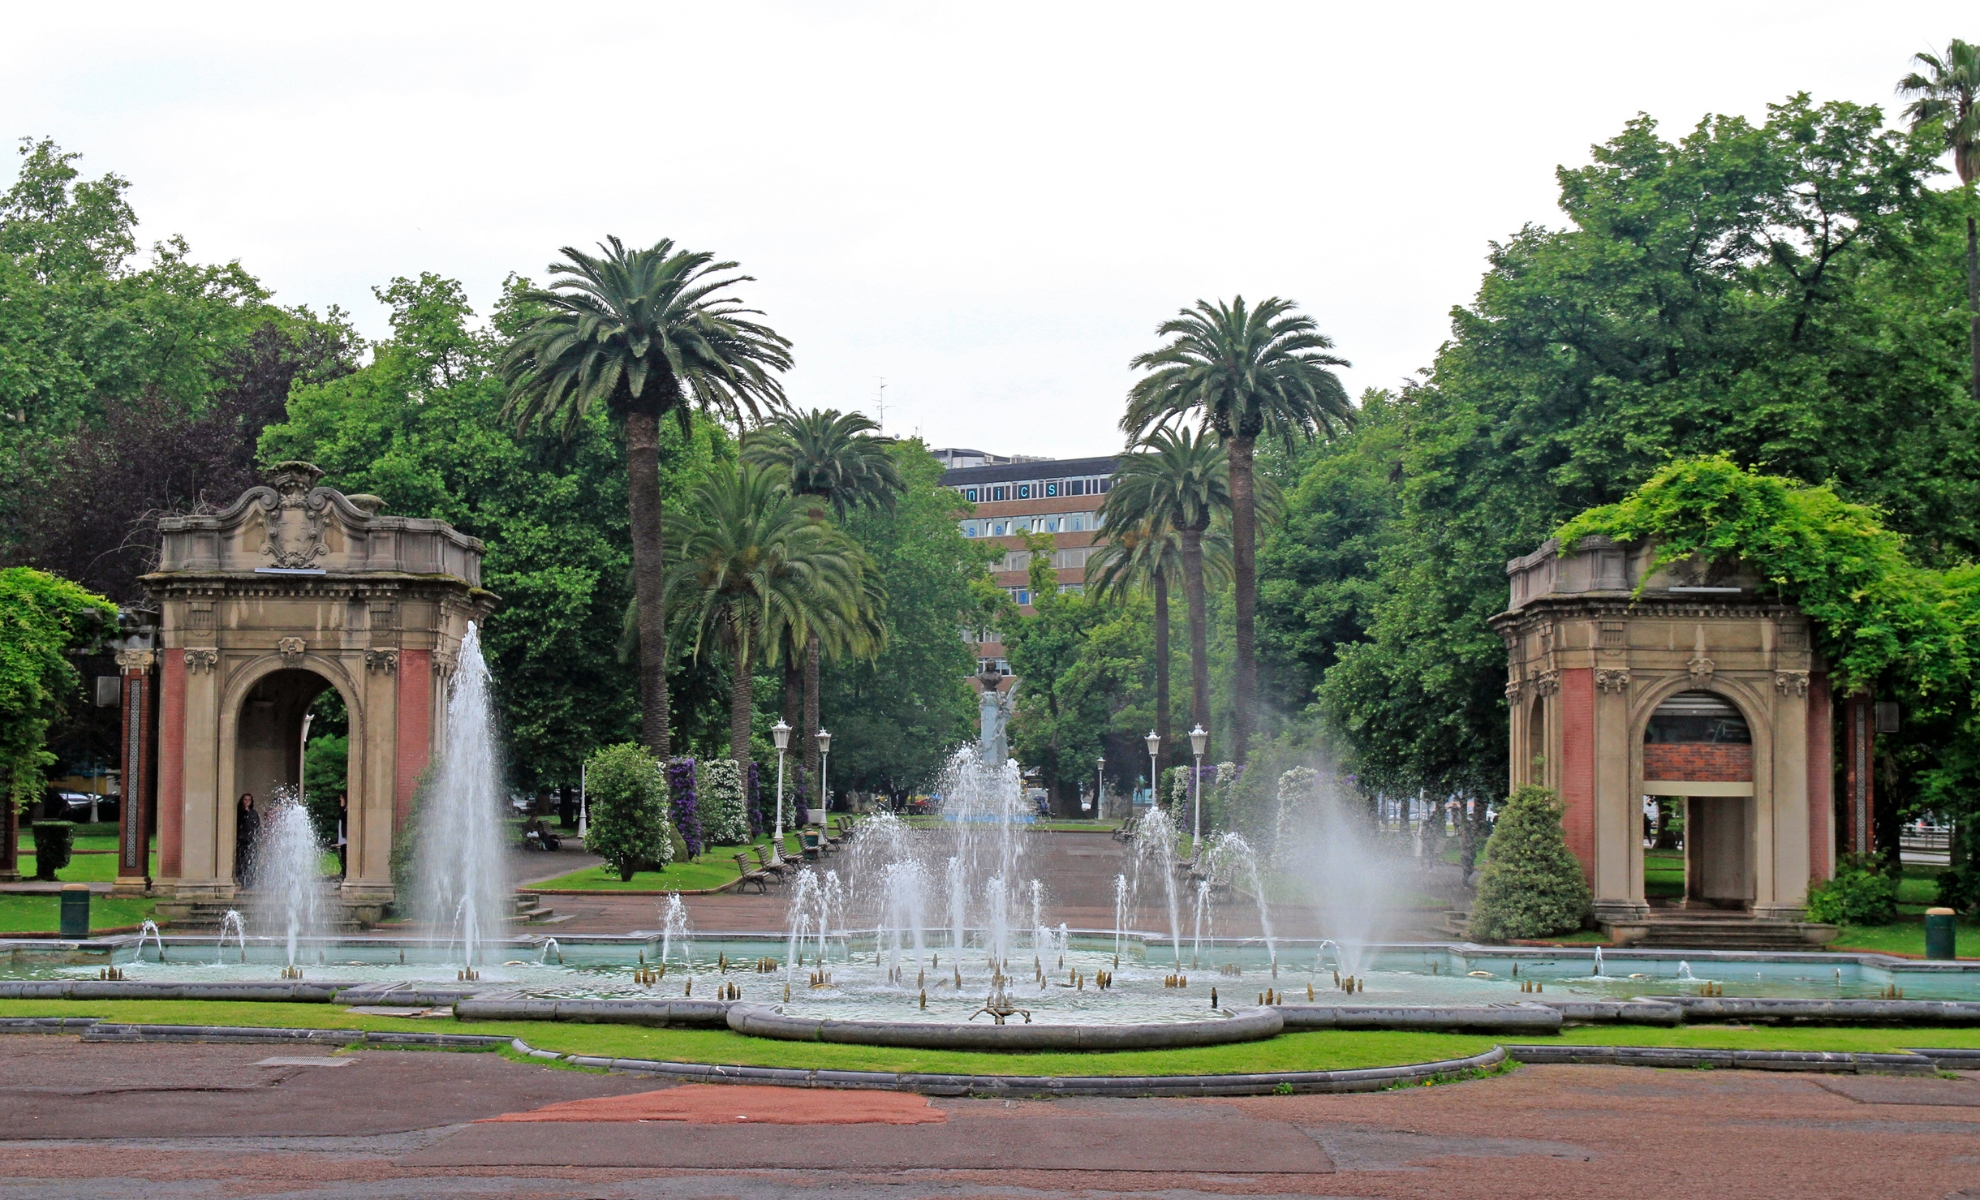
1162, 659
742, 706
793, 712
1973, 301
1199, 628
649, 576
810, 730
1244, 572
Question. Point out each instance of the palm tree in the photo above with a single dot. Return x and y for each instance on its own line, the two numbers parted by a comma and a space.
1945, 97
752, 572
1243, 372
834, 460
645, 333
1165, 498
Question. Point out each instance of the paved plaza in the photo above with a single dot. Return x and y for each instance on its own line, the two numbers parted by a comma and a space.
208, 1120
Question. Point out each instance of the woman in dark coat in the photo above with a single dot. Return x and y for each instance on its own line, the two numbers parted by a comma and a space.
247, 825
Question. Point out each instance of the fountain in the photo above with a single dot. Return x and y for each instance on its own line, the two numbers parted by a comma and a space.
462, 871
231, 920
674, 933
289, 873
149, 930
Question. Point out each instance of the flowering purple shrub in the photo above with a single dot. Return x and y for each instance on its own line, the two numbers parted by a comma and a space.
687, 818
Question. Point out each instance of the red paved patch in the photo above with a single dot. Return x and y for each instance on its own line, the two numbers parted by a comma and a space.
738, 1104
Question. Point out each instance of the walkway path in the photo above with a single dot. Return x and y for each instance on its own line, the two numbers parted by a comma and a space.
189, 1120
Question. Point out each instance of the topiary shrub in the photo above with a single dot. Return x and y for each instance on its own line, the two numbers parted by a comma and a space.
686, 809
1531, 886
628, 802
724, 817
1860, 894
52, 843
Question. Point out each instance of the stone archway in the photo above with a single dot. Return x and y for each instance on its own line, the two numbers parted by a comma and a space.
292, 589
1597, 639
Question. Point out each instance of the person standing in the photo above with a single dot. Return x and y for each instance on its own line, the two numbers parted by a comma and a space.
343, 839
247, 827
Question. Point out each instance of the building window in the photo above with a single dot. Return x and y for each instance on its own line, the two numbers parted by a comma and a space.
1106, 485
969, 494
1051, 524
1075, 487
1075, 523
1052, 489
1000, 493
999, 529
1072, 589
1021, 595
1024, 491
969, 528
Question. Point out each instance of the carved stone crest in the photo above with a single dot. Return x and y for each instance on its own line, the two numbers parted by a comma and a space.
291, 649
294, 515
385, 662
1548, 683
200, 659
1701, 670
1612, 681
1791, 683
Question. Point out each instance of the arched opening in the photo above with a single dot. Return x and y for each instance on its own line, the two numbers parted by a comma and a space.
269, 753
1698, 771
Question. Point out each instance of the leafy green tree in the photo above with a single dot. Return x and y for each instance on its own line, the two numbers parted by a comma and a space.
750, 564
1244, 372
42, 621
835, 461
896, 717
1945, 104
628, 799
643, 334
1170, 490
1532, 884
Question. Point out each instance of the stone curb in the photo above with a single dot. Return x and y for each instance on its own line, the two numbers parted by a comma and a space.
706, 1014
1367, 1079
1489, 1018
1910, 1062
1933, 1012
1247, 1025
1641, 1011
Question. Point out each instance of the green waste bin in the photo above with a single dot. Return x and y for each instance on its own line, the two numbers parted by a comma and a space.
75, 910
1939, 926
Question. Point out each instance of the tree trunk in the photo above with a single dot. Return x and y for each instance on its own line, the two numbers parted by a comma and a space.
1162, 660
1199, 632
742, 706
809, 731
1973, 301
793, 712
649, 577
1244, 579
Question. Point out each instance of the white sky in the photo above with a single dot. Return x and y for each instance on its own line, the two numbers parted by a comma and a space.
989, 206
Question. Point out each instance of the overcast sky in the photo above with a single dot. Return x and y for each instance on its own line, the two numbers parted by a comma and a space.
988, 206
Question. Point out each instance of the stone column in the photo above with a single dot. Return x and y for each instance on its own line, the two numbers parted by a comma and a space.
139, 779
1859, 769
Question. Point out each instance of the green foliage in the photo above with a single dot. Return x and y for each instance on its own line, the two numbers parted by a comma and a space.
627, 796
1860, 893
43, 620
1877, 615
720, 800
1786, 293
1532, 884
830, 456
52, 843
325, 776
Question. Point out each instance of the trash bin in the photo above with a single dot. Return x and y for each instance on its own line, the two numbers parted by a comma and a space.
1939, 928
75, 910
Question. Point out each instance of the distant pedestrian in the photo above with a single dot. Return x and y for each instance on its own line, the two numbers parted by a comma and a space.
343, 837
247, 826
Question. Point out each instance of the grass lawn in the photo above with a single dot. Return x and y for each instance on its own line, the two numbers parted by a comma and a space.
85, 868
1906, 937
1318, 1051
1663, 873
43, 914
715, 867
1840, 1038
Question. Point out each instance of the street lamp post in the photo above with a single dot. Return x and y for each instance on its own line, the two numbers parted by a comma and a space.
584, 769
1154, 741
1100, 788
1197, 737
302, 765
781, 731
824, 771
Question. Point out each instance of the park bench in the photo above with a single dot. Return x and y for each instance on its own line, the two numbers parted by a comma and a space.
750, 875
775, 868
1124, 832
